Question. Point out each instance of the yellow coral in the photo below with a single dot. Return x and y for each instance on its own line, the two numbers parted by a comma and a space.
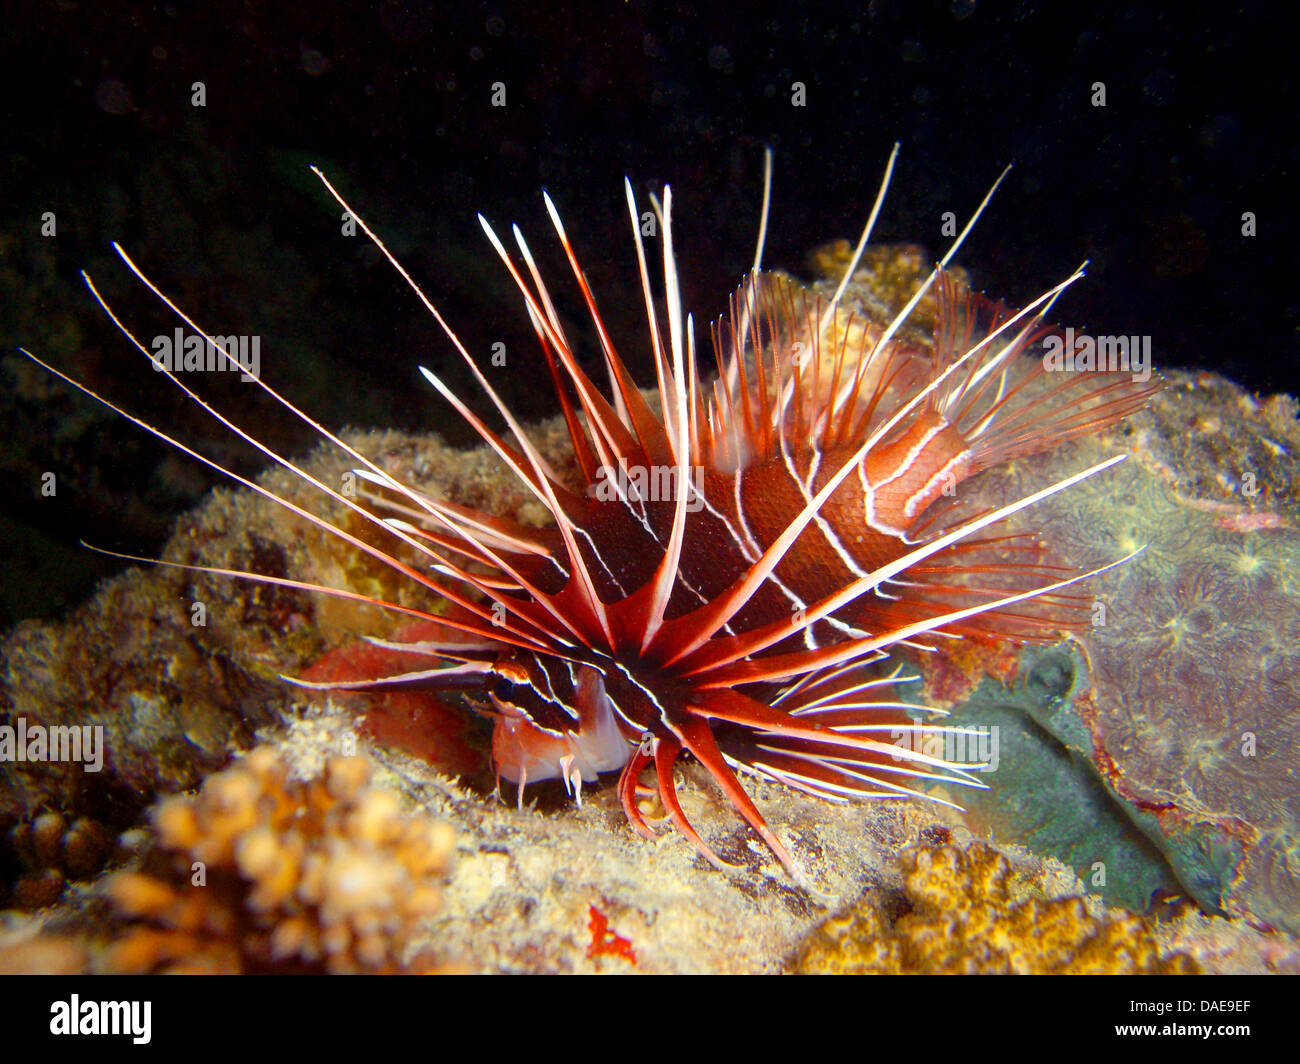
968, 911
259, 872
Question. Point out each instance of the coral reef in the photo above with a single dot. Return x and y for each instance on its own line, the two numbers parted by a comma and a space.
521, 895
970, 911
1130, 718
259, 872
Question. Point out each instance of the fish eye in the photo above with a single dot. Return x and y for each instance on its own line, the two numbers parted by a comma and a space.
504, 689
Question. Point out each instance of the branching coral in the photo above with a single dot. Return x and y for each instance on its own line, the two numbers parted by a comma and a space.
260, 872
968, 911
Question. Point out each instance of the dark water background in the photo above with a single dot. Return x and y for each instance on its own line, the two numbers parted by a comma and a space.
394, 101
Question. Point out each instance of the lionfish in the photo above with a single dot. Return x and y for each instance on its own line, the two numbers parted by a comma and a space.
732, 570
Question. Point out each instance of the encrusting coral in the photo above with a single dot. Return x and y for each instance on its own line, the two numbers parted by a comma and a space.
260, 872
969, 911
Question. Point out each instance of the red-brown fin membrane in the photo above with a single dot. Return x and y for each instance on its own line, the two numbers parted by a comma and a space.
1016, 399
